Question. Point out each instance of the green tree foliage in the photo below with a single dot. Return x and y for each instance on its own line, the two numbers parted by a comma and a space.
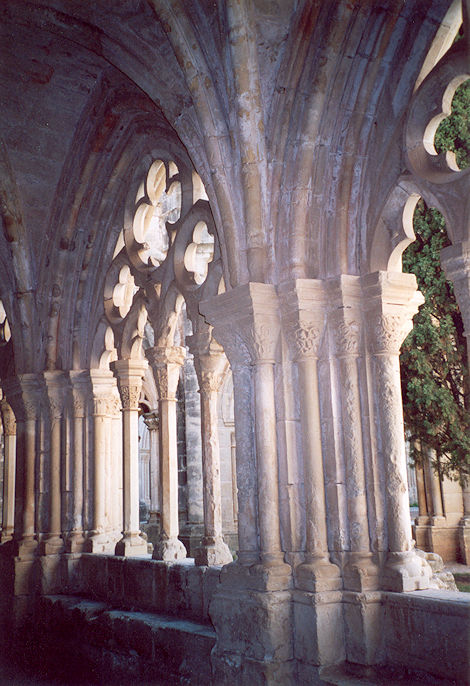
453, 132
434, 358
435, 384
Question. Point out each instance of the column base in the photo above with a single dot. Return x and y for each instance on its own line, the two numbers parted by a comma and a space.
75, 543
97, 543
25, 549
213, 552
405, 571
363, 613
317, 575
52, 545
6, 535
318, 624
254, 629
169, 549
131, 545
361, 572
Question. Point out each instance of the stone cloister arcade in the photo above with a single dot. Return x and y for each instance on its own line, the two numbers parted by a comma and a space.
234, 181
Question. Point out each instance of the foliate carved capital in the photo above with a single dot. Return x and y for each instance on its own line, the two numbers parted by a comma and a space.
390, 301
102, 406
130, 394
210, 381
56, 390
304, 339
166, 364
81, 392
388, 331
262, 336
151, 420
79, 406
347, 335
303, 316
251, 311
8, 419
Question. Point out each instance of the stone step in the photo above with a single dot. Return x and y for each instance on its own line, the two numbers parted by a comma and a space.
114, 644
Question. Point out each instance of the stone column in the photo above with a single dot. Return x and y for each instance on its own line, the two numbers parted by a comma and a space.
81, 392
455, 260
423, 516
209, 361
390, 301
251, 311
9, 465
360, 572
53, 542
258, 585
166, 364
24, 394
303, 316
102, 382
152, 423
240, 363
130, 374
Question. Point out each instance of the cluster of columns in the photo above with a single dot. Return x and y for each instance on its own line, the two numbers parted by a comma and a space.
71, 443
74, 494
355, 326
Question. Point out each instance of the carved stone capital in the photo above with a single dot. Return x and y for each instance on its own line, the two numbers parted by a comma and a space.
386, 332
151, 420
103, 386
81, 392
25, 395
130, 395
130, 374
252, 312
56, 393
8, 419
210, 381
391, 300
303, 316
166, 364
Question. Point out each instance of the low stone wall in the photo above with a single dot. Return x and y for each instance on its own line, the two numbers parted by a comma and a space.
429, 631
179, 588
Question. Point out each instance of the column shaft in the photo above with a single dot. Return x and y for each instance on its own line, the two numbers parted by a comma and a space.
9, 466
